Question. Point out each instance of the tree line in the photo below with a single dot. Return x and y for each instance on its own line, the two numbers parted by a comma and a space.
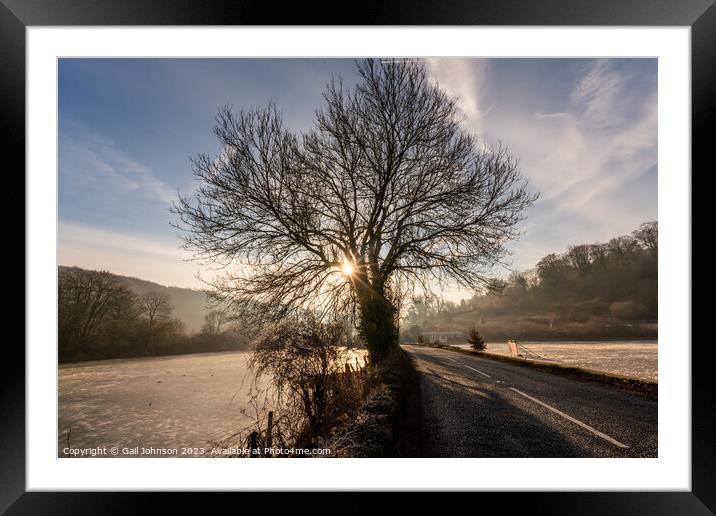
594, 289
100, 317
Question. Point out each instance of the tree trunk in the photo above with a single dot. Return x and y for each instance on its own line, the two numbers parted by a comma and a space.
377, 322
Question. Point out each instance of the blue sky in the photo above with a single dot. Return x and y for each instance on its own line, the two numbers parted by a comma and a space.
584, 130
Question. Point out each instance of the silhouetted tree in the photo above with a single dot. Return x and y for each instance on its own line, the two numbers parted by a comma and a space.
214, 322
87, 299
386, 193
156, 309
648, 236
579, 258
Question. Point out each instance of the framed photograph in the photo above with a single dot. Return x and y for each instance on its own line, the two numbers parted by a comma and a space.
417, 250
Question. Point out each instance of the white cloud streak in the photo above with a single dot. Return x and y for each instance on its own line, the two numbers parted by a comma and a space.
89, 159
602, 148
603, 138
153, 259
465, 80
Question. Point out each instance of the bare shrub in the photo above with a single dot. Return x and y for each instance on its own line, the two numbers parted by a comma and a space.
310, 373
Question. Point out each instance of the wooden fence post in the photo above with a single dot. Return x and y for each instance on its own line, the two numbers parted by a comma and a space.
269, 429
254, 445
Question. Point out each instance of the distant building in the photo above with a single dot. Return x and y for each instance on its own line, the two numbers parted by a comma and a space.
445, 337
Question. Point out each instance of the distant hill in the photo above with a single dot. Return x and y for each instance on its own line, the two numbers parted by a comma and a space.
190, 305
589, 292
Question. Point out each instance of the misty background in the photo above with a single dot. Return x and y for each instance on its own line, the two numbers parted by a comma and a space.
583, 129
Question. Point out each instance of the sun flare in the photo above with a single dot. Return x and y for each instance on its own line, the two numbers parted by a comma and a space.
347, 268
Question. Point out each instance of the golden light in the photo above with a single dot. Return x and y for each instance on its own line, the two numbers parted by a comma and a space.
347, 268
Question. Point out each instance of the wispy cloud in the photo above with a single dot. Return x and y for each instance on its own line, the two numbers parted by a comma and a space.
610, 136
584, 132
598, 97
465, 80
600, 140
91, 160
160, 260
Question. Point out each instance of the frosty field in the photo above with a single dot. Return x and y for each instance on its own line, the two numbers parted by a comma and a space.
175, 402
192, 401
636, 359
163, 402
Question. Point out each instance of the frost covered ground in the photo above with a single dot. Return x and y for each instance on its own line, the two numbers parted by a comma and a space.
187, 401
196, 400
164, 402
636, 359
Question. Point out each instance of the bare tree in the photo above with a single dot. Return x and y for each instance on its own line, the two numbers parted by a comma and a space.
156, 308
648, 236
86, 299
580, 257
385, 194
214, 322
623, 247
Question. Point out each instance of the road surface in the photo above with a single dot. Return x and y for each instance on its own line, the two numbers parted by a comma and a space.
478, 407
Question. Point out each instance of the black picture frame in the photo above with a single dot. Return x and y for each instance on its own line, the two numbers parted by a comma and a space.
17, 15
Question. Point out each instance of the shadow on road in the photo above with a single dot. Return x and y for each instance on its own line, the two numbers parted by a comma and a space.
475, 419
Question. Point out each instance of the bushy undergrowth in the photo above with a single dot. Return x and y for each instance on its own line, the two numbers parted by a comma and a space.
389, 422
308, 379
320, 395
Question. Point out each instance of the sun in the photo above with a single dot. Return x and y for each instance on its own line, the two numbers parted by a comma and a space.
347, 268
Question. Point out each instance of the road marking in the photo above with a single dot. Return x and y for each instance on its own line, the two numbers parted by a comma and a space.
570, 418
451, 360
483, 374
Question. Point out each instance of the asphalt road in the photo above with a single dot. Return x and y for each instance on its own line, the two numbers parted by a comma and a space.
478, 407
